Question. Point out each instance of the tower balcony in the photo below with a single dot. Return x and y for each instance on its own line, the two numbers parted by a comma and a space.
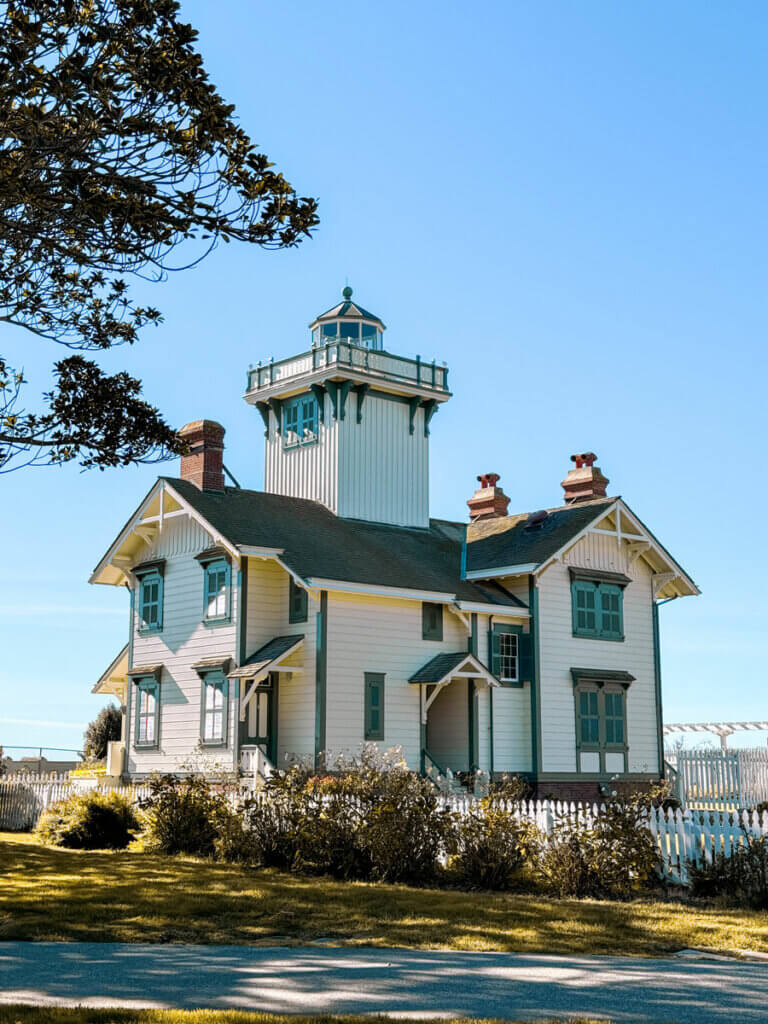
338, 358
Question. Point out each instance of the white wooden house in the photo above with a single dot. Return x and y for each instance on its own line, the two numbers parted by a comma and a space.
329, 609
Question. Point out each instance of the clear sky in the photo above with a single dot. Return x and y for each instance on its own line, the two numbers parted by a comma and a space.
564, 201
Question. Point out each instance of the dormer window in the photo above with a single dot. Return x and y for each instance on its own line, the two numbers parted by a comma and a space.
300, 421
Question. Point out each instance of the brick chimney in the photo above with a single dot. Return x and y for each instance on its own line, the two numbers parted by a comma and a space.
585, 481
489, 501
204, 465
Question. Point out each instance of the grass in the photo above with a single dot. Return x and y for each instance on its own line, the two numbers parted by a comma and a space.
81, 1015
54, 894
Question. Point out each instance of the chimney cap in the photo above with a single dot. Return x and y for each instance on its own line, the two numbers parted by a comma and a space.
585, 481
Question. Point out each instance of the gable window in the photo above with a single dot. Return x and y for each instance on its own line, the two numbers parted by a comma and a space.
150, 577
300, 421
431, 621
510, 649
601, 723
374, 706
298, 603
214, 709
147, 711
597, 604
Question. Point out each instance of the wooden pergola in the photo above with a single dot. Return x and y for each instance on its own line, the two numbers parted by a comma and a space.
721, 729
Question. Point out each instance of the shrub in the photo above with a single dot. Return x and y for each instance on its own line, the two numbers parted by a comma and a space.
491, 846
742, 878
89, 821
106, 726
612, 854
186, 815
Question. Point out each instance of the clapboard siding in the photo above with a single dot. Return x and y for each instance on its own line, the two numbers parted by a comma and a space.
383, 467
369, 634
511, 710
305, 471
267, 617
560, 651
183, 641
448, 727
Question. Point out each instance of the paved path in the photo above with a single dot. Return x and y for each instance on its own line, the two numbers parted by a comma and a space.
396, 981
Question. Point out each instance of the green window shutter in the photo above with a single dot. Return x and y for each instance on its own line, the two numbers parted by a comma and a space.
614, 719
298, 604
584, 604
494, 646
151, 602
610, 611
526, 658
589, 718
374, 706
431, 621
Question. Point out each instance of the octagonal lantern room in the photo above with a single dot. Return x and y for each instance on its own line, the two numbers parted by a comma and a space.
348, 322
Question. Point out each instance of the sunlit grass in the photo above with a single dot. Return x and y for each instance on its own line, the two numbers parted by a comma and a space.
52, 894
82, 1015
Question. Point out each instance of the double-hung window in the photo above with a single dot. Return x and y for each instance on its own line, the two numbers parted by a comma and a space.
147, 711
300, 420
217, 586
150, 596
597, 604
374, 706
510, 648
213, 710
601, 723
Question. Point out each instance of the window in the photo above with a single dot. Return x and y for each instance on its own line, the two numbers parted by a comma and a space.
147, 712
597, 610
300, 420
431, 621
601, 728
511, 656
217, 590
150, 597
374, 705
297, 602
214, 709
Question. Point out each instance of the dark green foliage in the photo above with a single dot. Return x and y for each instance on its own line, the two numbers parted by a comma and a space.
90, 821
186, 815
115, 149
104, 729
611, 855
742, 878
492, 846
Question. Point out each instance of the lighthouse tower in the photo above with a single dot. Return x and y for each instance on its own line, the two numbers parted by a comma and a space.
347, 423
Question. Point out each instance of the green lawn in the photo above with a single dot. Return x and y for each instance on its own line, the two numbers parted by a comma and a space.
51, 1015
53, 894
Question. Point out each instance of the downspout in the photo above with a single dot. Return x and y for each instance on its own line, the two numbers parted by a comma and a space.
655, 605
242, 639
471, 699
321, 668
128, 687
533, 608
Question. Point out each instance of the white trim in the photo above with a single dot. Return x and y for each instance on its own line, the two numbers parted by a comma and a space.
507, 570
258, 552
504, 610
436, 597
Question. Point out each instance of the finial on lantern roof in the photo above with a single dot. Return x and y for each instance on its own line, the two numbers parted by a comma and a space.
346, 291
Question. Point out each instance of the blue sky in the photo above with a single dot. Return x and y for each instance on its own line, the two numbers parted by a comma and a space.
565, 202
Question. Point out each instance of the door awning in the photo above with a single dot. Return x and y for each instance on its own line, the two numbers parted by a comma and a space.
268, 658
444, 667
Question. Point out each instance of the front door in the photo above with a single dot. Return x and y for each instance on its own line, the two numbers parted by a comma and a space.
257, 729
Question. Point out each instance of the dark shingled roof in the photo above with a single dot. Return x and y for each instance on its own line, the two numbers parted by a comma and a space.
498, 543
275, 648
316, 543
438, 668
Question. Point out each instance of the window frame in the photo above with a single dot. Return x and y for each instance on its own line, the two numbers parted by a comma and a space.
147, 684
524, 654
217, 564
429, 630
214, 679
602, 746
300, 595
597, 588
295, 438
149, 575
373, 680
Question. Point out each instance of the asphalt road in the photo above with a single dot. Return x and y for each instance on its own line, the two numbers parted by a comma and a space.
401, 982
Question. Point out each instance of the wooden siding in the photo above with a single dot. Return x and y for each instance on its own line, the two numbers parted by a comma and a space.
267, 616
306, 471
369, 634
183, 641
560, 651
448, 727
511, 715
383, 468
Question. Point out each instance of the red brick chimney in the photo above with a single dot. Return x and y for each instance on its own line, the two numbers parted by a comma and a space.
489, 502
204, 466
585, 481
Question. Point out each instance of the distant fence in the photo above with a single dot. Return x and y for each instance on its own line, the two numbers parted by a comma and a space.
720, 779
683, 837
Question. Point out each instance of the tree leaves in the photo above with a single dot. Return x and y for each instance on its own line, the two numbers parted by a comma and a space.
115, 150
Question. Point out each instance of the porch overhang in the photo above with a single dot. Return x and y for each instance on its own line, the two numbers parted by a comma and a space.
113, 681
269, 658
442, 670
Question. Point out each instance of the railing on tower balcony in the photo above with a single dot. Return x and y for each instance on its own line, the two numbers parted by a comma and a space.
339, 354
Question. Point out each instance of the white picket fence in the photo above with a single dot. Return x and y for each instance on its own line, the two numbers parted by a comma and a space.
683, 837
720, 779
